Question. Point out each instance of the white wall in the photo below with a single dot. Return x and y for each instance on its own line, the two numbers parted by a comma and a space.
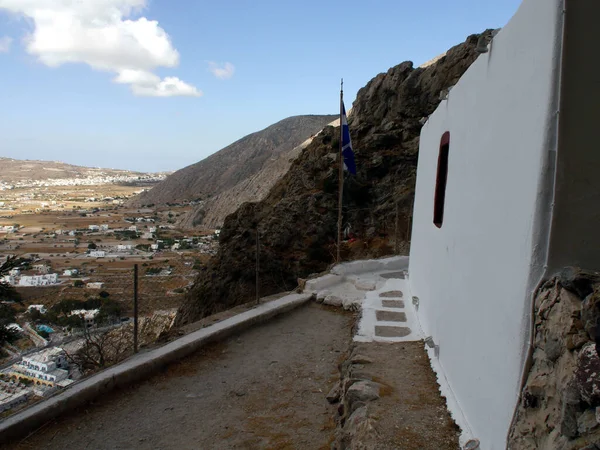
472, 276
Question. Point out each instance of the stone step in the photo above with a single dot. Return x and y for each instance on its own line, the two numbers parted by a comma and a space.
390, 316
392, 294
401, 275
391, 332
392, 303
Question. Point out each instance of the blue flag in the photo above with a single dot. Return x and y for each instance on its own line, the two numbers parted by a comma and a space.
349, 163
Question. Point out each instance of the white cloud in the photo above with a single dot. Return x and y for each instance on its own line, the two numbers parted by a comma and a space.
5, 44
106, 35
221, 71
146, 84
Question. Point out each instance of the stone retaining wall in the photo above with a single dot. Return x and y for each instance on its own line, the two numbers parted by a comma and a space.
560, 403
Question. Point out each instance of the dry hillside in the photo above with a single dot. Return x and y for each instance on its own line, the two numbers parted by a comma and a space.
234, 164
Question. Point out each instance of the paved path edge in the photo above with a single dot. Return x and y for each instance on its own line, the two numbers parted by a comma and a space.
141, 366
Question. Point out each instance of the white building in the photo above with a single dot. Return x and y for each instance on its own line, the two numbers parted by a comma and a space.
507, 194
10, 279
47, 367
70, 272
132, 228
97, 254
152, 229
14, 327
94, 228
124, 247
88, 316
104, 227
40, 308
94, 285
154, 246
12, 395
38, 280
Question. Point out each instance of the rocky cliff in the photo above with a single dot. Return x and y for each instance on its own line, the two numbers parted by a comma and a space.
233, 164
296, 222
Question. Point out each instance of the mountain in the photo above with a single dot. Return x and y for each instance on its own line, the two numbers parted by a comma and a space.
233, 164
297, 220
211, 213
23, 172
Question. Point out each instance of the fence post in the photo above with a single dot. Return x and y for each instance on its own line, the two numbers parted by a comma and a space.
135, 308
397, 239
257, 267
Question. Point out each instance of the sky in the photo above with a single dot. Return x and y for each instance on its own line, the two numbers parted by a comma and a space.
155, 85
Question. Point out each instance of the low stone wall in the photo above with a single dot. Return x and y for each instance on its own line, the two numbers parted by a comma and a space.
560, 403
354, 392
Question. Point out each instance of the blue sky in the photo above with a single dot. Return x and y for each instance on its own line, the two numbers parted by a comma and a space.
134, 98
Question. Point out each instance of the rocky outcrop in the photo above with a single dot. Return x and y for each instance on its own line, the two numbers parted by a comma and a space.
296, 222
233, 164
560, 403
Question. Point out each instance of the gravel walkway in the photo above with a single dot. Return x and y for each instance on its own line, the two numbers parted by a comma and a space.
264, 389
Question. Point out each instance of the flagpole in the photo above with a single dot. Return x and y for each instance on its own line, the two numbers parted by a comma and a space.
340, 175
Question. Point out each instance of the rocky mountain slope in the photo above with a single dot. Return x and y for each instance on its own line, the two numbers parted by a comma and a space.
211, 213
22, 171
234, 164
296, 222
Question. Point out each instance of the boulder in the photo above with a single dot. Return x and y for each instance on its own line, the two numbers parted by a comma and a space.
363, 391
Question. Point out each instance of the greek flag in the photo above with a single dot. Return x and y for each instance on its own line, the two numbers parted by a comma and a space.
349, 163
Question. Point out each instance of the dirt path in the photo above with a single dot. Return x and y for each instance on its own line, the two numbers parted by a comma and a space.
411, 414
264, 389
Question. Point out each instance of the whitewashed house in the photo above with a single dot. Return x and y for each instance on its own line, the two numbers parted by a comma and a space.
47, 367
87, 315
104, 227
38, 280
132, 228
94, 228
40, 308
97, 254
94, 285
124, 247
507, 194
10, 279
70, 272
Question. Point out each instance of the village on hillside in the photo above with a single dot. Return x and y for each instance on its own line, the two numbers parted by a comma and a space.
74, 280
